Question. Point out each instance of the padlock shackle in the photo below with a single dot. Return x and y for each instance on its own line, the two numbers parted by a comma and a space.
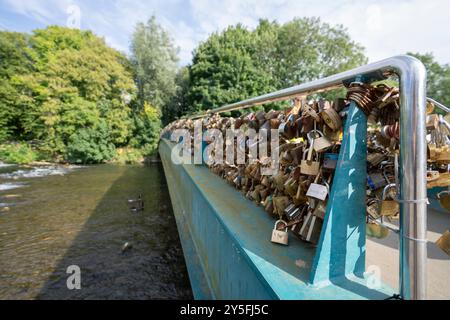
282, 221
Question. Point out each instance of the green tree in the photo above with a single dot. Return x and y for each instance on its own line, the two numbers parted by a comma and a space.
91, 145
77, 82
308, 49
238, 63
178, 104
438, 78
147, 124
155, 62
14, 61
224, 70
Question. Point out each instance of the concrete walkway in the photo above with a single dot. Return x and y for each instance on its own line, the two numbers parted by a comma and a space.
384, 254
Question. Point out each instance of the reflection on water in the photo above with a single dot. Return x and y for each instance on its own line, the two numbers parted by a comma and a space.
79, 216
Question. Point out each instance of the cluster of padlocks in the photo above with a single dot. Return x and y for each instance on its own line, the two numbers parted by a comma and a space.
310, 134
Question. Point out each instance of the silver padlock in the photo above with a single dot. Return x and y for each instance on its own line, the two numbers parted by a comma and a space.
279, 236
319, 142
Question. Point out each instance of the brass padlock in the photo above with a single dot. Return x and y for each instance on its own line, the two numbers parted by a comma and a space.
443, 155
290, 187
307, 166
444, 242
444, 199
332, 135
279, 204
375, 158
300, 196
376, 231
268, 206
442, 181
432, 121
331, 118
389, 208
319, 142
432, 175
279, 236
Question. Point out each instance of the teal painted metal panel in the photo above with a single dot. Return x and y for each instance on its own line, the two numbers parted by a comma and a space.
341, 250
226, 243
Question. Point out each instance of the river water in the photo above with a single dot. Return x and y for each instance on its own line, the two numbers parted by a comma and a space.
55, 217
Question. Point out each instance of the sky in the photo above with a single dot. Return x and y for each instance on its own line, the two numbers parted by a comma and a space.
385, 28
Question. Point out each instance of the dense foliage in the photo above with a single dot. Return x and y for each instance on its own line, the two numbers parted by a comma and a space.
238, 63
72, 85
65, 95
155, 63
438, 78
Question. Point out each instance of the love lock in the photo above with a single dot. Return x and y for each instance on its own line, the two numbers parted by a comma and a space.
444, 199
444, 242
311, 228
318, 141
307, 165
317, 191
331, 118
279, 236
376, 231
388, 208
292, 212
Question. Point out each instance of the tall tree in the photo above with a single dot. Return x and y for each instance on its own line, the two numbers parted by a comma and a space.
155, 62
77, 82
178, 104
224, 69
438, 78
308, 49
14, 61
238, 63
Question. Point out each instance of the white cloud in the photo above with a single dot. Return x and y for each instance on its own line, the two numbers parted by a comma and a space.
383, 27
44, 12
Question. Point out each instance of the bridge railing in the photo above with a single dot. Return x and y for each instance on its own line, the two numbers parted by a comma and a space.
412, 162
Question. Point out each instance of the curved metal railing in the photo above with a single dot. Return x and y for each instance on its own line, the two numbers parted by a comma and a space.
413, 156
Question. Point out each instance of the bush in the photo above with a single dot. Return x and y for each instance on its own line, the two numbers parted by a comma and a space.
90, 145
19, 153
147, 127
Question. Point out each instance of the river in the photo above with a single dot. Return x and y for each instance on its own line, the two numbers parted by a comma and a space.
55, 217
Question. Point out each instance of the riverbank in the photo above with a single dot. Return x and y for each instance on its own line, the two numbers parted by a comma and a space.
20, 153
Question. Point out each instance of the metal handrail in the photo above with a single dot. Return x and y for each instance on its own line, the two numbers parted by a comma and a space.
412, 171
439, 105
